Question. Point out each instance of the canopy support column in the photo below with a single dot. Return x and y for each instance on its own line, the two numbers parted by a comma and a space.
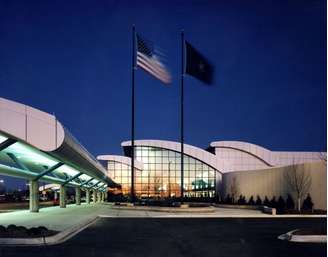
94, 196
34, 196
98, 196
62, 197
87, 196
78, 196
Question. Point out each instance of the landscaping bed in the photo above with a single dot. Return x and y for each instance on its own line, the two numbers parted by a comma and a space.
155, 203
308, 212
281, 205
13, 231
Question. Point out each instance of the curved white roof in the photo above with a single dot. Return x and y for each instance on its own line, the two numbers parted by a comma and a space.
246, 156
31, 125
257, 151
45, 133
195, 152
121, 159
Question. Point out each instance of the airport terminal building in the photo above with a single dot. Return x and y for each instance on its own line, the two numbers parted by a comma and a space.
35, 146
210, 174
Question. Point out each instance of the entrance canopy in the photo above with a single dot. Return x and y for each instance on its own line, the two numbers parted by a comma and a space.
35, 146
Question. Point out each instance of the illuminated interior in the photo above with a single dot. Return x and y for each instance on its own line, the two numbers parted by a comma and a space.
161, 175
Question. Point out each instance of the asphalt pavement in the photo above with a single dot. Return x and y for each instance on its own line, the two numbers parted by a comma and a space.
173, 237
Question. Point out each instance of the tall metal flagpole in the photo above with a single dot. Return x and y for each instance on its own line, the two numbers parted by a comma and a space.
132, 114
181, 109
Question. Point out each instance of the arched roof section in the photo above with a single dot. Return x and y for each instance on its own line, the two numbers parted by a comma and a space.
121, 159
192, 151
256, 151
270, 158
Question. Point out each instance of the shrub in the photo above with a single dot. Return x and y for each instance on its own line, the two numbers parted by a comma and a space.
307, 203
21, 231
266, 201
258, 200
43, 230
281, 205
11, 228
33, 231
228, 199
176, 204
289, 202
273, 202
2, 229
241, 200
251, 201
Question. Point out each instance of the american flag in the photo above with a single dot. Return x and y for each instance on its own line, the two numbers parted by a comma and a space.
150, 60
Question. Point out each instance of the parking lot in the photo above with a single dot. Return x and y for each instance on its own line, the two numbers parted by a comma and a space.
182, 237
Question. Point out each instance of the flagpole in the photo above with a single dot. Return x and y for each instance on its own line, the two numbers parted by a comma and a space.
132, 112
181, 114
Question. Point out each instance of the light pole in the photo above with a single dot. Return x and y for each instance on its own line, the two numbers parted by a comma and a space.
169, 179
2, 186
148, 184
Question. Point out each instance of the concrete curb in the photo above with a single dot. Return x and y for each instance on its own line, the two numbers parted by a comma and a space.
49, 240
167, 209
289, 236
200, 215
237, 206
309, 239
263, 208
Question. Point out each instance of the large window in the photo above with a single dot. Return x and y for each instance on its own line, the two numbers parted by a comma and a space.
120, 173
161, 175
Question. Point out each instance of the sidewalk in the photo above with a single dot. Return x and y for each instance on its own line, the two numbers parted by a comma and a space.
60, 219
53, 218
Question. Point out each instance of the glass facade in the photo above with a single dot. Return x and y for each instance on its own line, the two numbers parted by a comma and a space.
161, 175
121, 174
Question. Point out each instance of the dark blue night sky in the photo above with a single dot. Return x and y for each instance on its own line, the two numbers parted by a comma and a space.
73, 58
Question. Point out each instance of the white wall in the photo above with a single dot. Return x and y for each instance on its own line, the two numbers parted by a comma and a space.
272, 182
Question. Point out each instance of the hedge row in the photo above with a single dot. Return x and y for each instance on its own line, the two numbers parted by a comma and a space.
281, 204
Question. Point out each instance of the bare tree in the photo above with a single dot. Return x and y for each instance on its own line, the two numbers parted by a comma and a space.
234, 189
299, 182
